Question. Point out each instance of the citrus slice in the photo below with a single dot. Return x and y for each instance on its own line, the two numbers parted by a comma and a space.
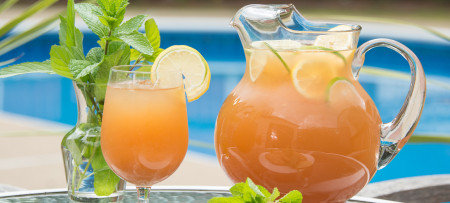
312, 75
190, 63
258, 60
341, 93
338, 40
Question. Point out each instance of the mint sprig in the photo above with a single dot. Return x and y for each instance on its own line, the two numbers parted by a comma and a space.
120, 43
249, 192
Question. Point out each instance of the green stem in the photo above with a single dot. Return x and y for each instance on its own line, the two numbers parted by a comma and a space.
74, 172
136, 62
107, 43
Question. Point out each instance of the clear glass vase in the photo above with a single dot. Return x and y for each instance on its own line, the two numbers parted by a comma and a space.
88, 176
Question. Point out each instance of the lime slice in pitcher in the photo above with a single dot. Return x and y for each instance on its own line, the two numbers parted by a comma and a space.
342, 93
188, 61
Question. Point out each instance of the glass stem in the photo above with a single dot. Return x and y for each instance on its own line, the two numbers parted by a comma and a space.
143, 194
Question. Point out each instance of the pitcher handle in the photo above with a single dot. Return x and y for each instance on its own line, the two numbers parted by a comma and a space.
396, 133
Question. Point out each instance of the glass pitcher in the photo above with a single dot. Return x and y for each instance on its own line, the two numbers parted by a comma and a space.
299, 119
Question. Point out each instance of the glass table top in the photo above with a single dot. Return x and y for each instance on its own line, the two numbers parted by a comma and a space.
157, 195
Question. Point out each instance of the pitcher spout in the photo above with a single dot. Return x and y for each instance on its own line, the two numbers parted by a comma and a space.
258, 22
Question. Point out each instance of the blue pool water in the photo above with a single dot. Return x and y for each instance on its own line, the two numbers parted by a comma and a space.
51, 97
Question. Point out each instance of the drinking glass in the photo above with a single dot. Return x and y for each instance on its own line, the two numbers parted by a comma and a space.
144, 135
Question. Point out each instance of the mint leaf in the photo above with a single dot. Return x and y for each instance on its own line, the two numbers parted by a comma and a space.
138, 41
121, 56
120, 12
152, 33
105, 181
264, 191
116, 46
73, 144
82, 68
249, 192
107, 20
239, 189
69, 35
89, 13
114, 9
293, 196
95, 55
135, 54
104, 5
62, 31
59, 59
29, 67
275, 194
130, 26
70, 24
254, 187
77, 66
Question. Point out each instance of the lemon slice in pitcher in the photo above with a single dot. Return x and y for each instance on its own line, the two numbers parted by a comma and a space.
188, 61
258, 61
336, 41
312, 75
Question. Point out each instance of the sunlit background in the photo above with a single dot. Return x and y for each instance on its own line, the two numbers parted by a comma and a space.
37, 109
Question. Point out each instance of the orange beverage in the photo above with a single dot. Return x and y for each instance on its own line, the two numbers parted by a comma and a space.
144, 133
300, 121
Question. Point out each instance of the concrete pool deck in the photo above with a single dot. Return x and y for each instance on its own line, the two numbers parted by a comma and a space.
30, 157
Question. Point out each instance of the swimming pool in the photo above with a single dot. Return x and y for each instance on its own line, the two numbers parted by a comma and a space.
51, 97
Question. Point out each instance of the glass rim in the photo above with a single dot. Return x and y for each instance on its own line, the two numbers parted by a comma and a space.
117, 69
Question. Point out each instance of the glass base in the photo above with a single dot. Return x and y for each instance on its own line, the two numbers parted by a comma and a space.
143, 194
91, 197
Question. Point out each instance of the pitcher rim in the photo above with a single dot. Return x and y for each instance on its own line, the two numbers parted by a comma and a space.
354, 27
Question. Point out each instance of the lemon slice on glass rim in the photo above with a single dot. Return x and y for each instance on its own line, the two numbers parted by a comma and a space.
190, 63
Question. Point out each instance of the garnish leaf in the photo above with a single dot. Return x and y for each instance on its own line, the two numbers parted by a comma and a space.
60, 57
254, 187
135, 54
239, 189
29, 67
89, 13
249, 192
105, 180
131, 25
108, 20
293, 196
95, 55
275, 194
152, 33
77, 66
138, 41
70, 24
